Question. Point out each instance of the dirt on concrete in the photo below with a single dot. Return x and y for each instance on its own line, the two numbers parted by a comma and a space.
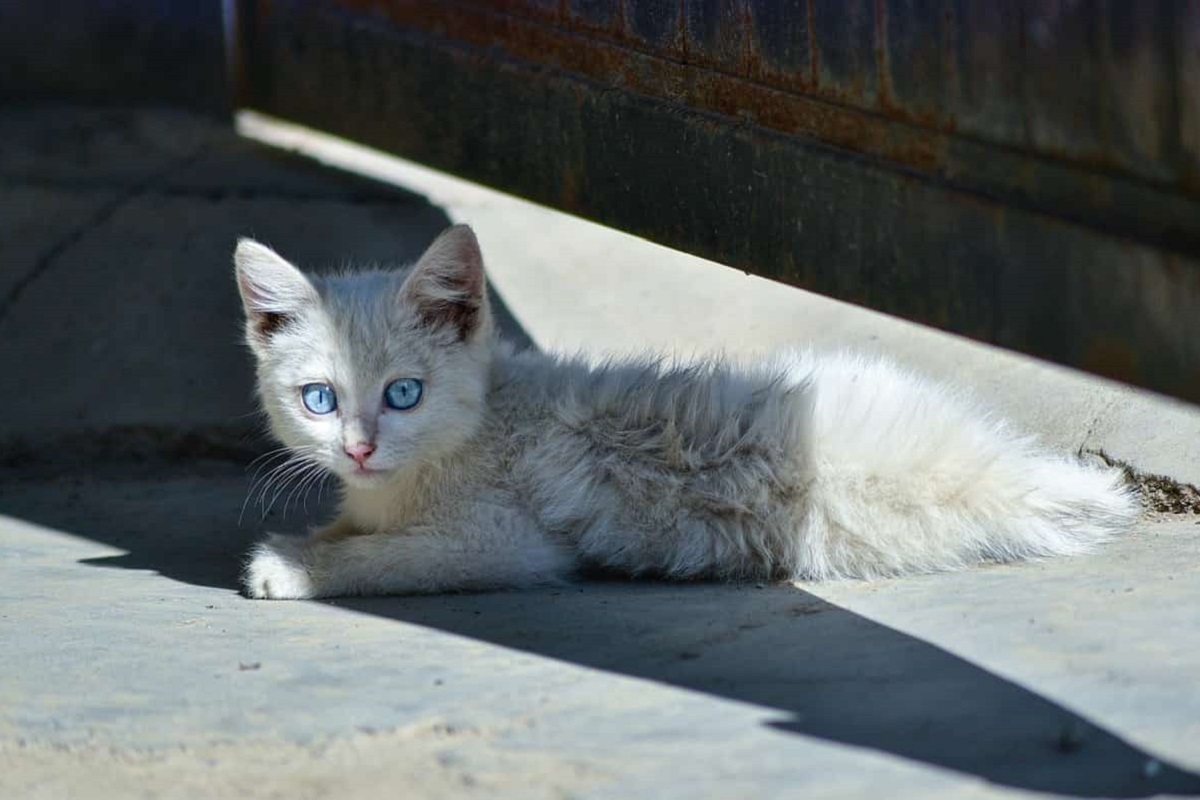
1159, 494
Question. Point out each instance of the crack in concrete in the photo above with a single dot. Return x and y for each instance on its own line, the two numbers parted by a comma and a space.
43, 264
97, 219
1159, 493
1094, 422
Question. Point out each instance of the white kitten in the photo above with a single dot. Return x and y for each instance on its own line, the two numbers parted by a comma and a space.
465, 466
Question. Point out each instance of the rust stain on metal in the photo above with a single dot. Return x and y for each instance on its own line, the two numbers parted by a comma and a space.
781, 96
887, 101
705, 90
814, 53
606, 47
885, 96
568, 192
751, 62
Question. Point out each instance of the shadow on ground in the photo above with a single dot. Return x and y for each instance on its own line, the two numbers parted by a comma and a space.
833, 675
830, 673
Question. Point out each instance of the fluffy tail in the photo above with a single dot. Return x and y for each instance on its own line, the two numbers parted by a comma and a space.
910, 477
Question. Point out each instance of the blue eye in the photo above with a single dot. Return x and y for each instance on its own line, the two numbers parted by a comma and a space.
319, 398
403, 394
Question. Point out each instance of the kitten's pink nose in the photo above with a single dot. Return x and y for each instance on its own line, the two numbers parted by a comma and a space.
360, 452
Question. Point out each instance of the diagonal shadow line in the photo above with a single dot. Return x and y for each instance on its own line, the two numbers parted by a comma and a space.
833, 674
836, 675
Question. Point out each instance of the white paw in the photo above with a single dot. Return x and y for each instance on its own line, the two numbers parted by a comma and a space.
276, 570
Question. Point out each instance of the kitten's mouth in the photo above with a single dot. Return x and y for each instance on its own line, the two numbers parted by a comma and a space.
361, 472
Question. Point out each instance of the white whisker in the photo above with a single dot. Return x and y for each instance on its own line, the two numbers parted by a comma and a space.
271, 480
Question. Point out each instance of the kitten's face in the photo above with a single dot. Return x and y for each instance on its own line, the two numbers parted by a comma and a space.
373, 374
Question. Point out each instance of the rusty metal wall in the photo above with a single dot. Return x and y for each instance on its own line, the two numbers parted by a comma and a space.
1023, 172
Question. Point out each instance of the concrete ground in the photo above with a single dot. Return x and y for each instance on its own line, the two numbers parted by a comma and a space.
130, 666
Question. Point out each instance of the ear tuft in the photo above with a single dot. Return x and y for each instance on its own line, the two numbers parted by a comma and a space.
447, 285
272, 290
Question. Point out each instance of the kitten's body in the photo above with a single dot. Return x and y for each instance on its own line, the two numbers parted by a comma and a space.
525, 467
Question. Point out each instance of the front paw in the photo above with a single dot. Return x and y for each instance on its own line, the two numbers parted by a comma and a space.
276, 571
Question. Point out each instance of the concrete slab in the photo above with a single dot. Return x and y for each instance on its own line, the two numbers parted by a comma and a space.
126, 636
31, 235
131, 667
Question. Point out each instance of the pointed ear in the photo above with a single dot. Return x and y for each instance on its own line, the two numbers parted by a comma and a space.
273, 291
447, 286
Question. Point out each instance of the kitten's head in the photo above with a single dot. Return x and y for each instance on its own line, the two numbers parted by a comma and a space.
374, 373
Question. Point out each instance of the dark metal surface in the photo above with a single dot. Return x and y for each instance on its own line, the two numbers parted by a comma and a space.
1022, 173
132, 51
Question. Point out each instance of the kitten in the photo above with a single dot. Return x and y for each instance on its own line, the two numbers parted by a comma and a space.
466, 466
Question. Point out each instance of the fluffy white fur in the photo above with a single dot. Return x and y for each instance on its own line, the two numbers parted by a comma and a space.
517, 469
